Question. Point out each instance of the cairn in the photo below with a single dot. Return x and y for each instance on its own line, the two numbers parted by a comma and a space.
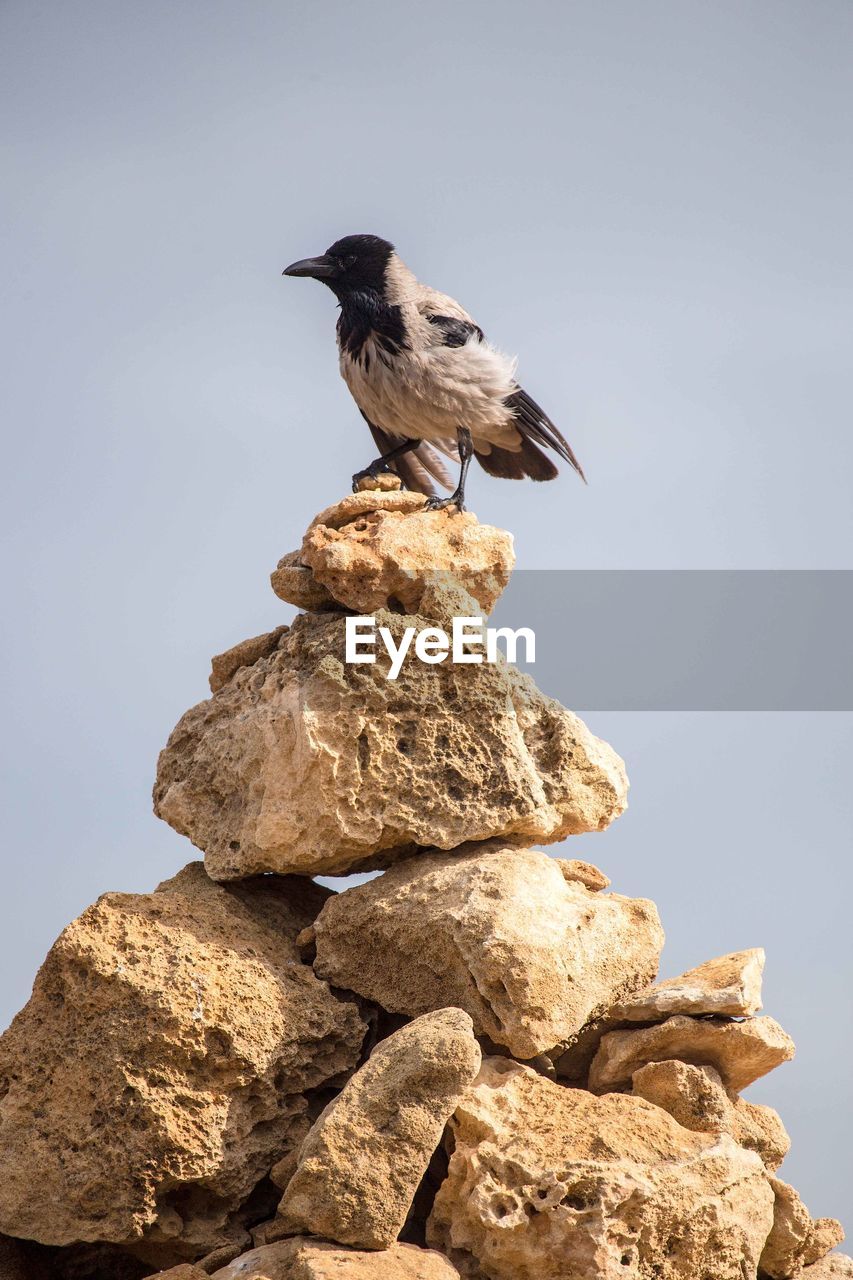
463, 1067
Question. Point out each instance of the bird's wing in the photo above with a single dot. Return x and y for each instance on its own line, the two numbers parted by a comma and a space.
535, 428
419, 467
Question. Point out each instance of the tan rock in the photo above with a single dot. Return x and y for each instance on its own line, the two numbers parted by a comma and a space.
183, 1271
385, 482
303, 762
584, 873
836, 1266
825, 1234
497, 931
546, 1182
740, 1051
383, 551
246, 654
304, 1259
795, 1241
729, 985
158, 1071
786, 1244
696, 1098
294, 582
362, 1162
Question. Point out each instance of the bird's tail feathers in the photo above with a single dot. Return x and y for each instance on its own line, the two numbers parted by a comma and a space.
536, 427
528, 462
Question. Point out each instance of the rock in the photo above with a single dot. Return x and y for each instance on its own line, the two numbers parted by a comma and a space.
494, 930
183, 1271
246, 654
825, 1234
305, 763
304, 1259
786, 1244
385, 482
584, 873
740, 1051
546, 1182
836, 1266
158, 1071
293, 582
795, 1241
572, 1059
361, 1164
729, 985
379, 550
696, 1098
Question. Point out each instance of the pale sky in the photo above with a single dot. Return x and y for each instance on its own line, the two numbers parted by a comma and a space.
650, 203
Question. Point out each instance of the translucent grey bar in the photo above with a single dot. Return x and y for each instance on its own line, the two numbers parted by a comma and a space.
694, 640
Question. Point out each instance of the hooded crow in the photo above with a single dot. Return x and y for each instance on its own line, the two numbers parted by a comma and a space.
425, 379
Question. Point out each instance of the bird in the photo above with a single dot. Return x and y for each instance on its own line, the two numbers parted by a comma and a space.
425, 378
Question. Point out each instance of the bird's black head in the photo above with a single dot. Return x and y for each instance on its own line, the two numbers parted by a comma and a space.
352, 265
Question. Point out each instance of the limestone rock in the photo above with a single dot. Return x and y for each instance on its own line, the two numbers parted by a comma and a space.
696, 1098
728, 986
740, 1051
383, 550
385, 482
246, 654
546, 1182
584, 873
302, 1259
183, 1271
825, 1234
497, 931
305, 763
293, 582
836, 1266
795, 1241
159, 1068
362, 1162
786, 1244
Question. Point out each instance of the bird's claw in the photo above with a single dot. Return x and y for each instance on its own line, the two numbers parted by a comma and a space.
456, 500
369, 473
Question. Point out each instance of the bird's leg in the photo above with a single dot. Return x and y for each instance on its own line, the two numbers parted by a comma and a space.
456, 499
381, 464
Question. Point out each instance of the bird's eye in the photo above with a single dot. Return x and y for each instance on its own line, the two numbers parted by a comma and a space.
349, 260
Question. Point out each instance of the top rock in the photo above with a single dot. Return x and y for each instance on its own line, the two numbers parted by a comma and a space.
382, 550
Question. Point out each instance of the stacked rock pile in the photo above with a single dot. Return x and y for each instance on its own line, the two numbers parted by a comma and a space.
462, 1067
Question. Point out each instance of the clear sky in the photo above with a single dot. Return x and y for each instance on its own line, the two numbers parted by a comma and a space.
651, 203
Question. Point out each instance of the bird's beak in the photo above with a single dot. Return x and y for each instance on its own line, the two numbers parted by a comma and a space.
322, 268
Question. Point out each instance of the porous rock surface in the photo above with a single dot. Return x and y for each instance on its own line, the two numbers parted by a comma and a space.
836, 1266
383, 550
546, 1182
302, 1258
359, 1167
728, 986
794, 1240
498, 931
740, 1051
305, 763
697, 1099
159, 1068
